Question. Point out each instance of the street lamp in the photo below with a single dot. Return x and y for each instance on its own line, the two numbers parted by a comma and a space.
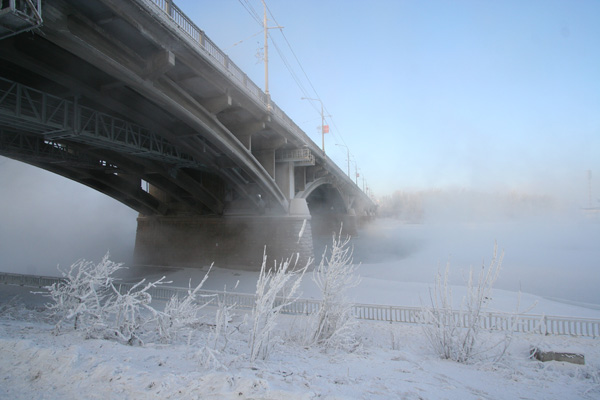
322, 122
348, 156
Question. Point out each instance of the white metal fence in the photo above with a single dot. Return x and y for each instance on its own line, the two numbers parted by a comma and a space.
525, 323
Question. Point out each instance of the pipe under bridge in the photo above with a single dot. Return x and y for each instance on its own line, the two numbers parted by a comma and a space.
132, 99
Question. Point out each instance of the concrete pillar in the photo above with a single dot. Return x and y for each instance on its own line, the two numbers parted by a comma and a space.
291, 180
284, 176
300, 178
267, 160
326, 224
229, 242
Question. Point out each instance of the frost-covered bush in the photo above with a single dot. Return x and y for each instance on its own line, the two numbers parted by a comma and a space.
181, 315
88, 297
127, 313
331, 326
457, 334
213, 354
275, 289
223, 317
83, 293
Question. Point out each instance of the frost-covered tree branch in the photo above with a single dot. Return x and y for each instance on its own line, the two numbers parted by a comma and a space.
275, 289
334, 276
455, 334
88, 296
82, 295
182, 314
128, 312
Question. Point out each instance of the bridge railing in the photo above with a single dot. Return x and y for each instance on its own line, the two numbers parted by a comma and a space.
495, 321
199, 38
223, 62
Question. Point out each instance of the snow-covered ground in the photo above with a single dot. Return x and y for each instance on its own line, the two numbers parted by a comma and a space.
394, 361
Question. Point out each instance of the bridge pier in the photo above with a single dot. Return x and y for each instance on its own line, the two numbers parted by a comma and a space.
228, 241
326, 225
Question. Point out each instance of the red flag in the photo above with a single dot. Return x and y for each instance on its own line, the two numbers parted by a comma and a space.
325, 128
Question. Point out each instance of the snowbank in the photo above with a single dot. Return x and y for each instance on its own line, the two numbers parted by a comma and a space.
394, 361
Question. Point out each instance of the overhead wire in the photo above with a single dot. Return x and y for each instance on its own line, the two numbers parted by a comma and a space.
304, 72
255, 15
251, 10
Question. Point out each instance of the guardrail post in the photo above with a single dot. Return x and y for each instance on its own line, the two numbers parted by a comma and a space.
544, 326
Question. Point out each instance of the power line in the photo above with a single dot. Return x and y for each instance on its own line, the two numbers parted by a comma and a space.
251, 10
307, 78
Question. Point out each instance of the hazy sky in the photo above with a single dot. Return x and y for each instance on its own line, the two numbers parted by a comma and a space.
488, 95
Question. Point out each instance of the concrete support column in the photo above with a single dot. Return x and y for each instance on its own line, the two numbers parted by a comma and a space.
291, 179
229, 242
266, 159
327, 224
300, 178
284, 177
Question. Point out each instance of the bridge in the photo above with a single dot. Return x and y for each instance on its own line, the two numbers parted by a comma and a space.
131, 98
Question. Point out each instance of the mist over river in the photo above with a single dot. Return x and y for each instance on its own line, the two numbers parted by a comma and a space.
555, 254
556, 257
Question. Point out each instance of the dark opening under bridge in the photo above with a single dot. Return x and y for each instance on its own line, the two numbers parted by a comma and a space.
130, 98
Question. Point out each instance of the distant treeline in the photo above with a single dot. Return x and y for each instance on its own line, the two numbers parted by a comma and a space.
464, 205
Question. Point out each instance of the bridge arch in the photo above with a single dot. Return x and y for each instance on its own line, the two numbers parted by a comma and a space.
330, 210
323, 196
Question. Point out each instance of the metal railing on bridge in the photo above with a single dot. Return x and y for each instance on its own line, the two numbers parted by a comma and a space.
497, 321
301, 156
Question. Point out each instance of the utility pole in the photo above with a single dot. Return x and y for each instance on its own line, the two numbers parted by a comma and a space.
266, 29
322, 122
348, 156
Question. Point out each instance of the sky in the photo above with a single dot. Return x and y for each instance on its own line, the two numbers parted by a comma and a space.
482, 95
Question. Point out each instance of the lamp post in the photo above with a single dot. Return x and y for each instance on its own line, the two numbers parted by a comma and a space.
347, 155
322, 122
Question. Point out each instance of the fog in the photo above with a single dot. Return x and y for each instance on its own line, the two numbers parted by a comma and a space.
47, 220
551, 248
